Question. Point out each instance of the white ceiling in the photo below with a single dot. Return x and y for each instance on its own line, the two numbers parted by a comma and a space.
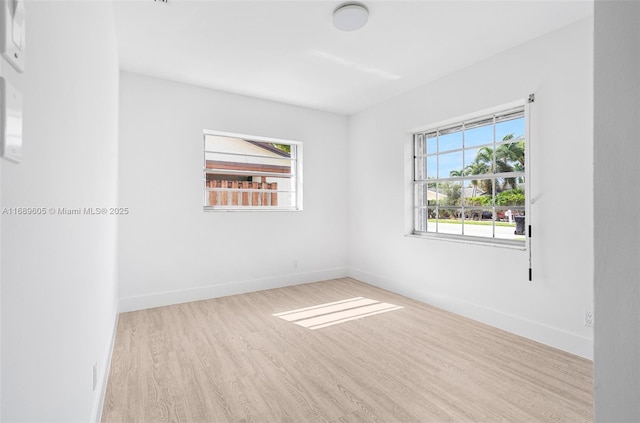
289, 51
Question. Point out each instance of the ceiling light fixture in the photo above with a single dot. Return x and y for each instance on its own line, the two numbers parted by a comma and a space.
350, 16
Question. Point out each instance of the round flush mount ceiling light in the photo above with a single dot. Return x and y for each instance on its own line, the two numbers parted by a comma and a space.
350, 16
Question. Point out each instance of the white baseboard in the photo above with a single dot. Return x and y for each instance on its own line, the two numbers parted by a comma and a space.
102, 387
554, 337
215, 291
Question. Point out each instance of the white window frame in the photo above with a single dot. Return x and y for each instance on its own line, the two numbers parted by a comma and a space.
498, 242
296, 175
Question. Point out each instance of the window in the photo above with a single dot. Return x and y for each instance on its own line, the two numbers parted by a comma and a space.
469, 179
244, 172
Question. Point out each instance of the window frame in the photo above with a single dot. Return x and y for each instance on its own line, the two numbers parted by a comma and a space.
460, 121
297, 174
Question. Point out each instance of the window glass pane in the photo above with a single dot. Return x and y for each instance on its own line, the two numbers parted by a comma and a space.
511, 197
510, 157
240, 164
224, 144
469, 160
506, 223
479, 135
431, 194
432, 167
421, 195
507, 184
503, 215
510, 129
223, 190
245, 173
431, 222
479, 222
239, 156
478, 161
490, 160
432, 144
478, 192
450, 193
450, 141
285, 195
449, 221
450, 164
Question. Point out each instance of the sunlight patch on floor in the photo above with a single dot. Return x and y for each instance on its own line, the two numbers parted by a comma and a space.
329, 314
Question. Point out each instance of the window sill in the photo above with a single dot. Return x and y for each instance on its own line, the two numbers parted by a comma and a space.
521, 246
251, 209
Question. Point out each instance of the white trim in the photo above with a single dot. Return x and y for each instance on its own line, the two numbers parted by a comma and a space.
250, 137
102, 392
528, 194
298, 152
466, 239
222, 290
491, 114
469, 116
554, 337
299, 176
249, 209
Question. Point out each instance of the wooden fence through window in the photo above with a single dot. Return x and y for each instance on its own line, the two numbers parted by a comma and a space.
242, 193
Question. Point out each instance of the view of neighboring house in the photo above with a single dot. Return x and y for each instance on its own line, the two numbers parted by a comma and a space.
242, 172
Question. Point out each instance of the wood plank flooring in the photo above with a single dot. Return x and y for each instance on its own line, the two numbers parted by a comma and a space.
230, 360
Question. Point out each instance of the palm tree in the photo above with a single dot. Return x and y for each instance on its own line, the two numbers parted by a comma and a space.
506, 158
513, 151
483, 164
510, 158
476, 168
485, 155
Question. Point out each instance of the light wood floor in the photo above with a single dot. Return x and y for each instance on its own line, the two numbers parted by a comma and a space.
230, 360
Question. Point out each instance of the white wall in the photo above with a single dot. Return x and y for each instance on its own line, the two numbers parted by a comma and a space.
59, 297
486, 283
617, 240
3, 66
58, 290
170, 250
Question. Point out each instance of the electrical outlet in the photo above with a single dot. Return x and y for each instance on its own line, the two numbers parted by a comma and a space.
588, 318
95, 375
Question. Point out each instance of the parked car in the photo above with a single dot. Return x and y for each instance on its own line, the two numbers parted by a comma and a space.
483, 215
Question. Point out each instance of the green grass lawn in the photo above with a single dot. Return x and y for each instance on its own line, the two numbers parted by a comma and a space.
474, 222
